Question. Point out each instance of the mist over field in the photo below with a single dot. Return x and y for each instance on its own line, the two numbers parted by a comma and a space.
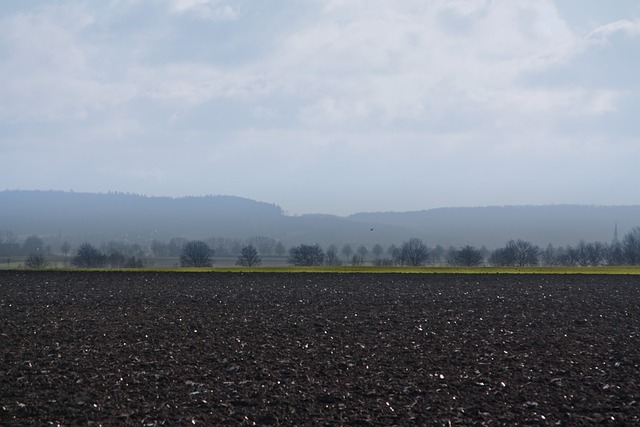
470, 126
97, 218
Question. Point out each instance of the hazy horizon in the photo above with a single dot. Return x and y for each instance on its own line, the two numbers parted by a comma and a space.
286, 212
332, 107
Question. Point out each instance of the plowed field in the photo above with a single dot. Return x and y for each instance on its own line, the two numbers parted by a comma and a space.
151, 349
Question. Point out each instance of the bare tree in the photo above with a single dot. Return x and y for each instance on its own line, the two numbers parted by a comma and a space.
548, 256
521, 253
596, 252
36, 261
516, 253
413, 253
377, 250
631, 246
174, 248
346, 251
224, 246
123, 248
357, 260
362, 251
8, 237
249, 257
614, 255
467, 256
280, 249
499, 257
306, 255
524, 253
567, 256
332, 257
581, 254
196, 253
89, 257
391, 250
116, 259
264, 245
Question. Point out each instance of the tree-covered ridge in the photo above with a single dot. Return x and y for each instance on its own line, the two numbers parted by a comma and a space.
229, 222
119, 214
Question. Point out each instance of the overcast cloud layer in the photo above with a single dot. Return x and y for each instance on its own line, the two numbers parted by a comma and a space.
332, 106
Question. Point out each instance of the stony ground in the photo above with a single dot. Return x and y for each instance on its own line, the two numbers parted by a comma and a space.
151, 349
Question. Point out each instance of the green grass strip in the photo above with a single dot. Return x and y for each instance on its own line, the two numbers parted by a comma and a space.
376, 270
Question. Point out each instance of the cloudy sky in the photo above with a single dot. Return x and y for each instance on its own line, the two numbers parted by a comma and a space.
331, 106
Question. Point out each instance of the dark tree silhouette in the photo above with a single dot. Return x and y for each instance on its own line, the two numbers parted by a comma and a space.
248, 257
631, 246
392, 250
357, 260
306, 255
467, 256
332, 257
413, 253
499, 258
523, 253
280, 249
36, 261
116, 259
581, 254
196, 254
362, 251
596, 253
346, 251
89, 257
614, 255
516, 253
377, 250
548, 256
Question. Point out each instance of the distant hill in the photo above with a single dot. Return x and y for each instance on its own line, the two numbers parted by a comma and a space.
79, 217
92, 217
493, 226
119, 215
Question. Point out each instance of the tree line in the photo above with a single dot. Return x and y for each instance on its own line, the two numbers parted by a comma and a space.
249, 252
518, 253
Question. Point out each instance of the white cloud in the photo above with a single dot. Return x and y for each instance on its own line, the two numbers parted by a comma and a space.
625, 26
406, 61
353, 62
352, 93
214, 10
48, 71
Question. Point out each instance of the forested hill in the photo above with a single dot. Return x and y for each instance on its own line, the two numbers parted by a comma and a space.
91, 217
96, 218
119, 214
493, 226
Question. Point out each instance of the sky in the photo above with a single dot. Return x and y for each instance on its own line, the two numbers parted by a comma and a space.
325, 106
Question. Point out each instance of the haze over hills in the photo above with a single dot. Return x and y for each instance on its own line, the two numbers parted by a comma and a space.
96, 218
79, 217
492, 226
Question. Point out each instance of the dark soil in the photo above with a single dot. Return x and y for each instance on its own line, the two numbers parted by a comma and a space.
151, 349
